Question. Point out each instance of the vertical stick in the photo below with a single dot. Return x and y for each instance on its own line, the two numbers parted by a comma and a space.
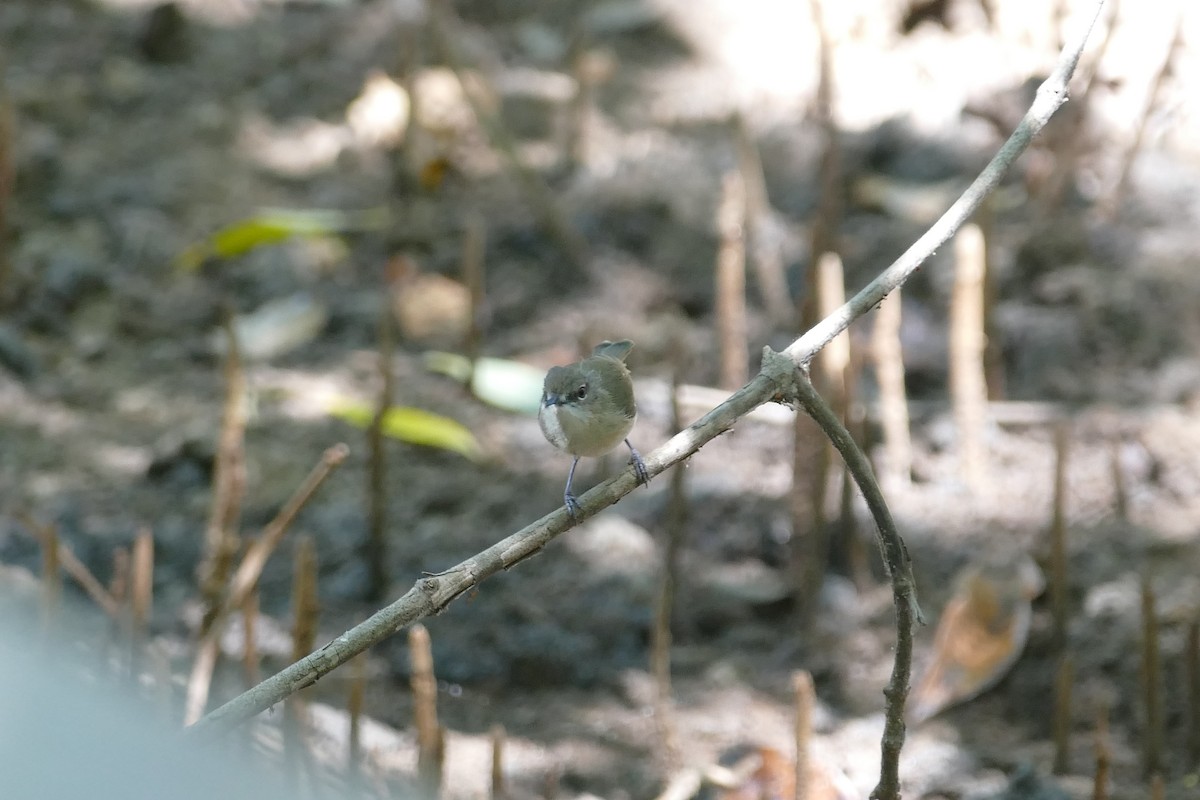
764, 247
7, 175
51, 578
354, 708
118, 584
731, 282
251, 663
474, 243
1062, 714
834, 359
676, 524
376, 549
993, 357
857, 551
1158, 789
809, 552
424, 689
580, 110
1192, 673
834, 364
1120, 493
1058, 538
305, 605
893, 398
497, 787
805, 697
246, 578
141, 596
305, 608
829, 211
968, 388
1103, 756
1153, 735
229, 484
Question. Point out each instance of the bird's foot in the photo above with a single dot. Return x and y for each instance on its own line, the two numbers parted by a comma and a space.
572, 505
639, 467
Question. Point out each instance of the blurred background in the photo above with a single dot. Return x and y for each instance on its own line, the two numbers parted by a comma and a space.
236, 233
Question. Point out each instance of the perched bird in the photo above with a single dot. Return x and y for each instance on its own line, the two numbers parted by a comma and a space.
588, 409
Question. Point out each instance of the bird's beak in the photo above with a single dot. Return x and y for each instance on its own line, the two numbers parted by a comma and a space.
550, 399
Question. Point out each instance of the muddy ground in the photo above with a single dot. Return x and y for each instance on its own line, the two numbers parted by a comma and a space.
137, 134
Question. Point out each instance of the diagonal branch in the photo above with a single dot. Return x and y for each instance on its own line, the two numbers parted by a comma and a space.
776, 381
1050, 97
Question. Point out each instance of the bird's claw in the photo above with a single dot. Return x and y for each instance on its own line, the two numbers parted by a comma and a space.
572, 504
639, 468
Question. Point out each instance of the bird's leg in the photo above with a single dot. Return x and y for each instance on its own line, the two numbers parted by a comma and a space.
568, 497
639, 467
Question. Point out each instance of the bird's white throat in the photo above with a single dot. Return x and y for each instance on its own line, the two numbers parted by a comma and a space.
548, 417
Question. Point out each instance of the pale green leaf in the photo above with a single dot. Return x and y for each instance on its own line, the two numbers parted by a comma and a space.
273, 226
413, 425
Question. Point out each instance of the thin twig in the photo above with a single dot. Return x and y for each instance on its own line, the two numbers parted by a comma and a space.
773, 382
251, 662
76, 569
899, 568
1058, 537
764, 246
229, 482
377, 488
1062, 714
858, 557
118, 590
246, 579
51, 579
354, 709
805, 699
473, 248
730, 281
497, 784
1103, 755
893, 398
1120, 492
1152, 738
579, 110
7, 176
141, 595
1050, 97
1192, 676
425, 717
304, 636
676, 528
829, 211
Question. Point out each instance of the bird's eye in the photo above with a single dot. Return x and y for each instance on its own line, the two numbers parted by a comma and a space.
581, 392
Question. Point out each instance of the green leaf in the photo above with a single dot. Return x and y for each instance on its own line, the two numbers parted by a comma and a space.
273, 226
413, 425
510, 385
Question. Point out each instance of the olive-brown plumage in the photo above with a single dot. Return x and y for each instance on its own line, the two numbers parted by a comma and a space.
588, 409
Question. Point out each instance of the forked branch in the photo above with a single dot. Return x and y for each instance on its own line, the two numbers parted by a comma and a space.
781, 378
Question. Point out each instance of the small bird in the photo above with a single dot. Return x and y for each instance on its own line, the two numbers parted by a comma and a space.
588, 409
